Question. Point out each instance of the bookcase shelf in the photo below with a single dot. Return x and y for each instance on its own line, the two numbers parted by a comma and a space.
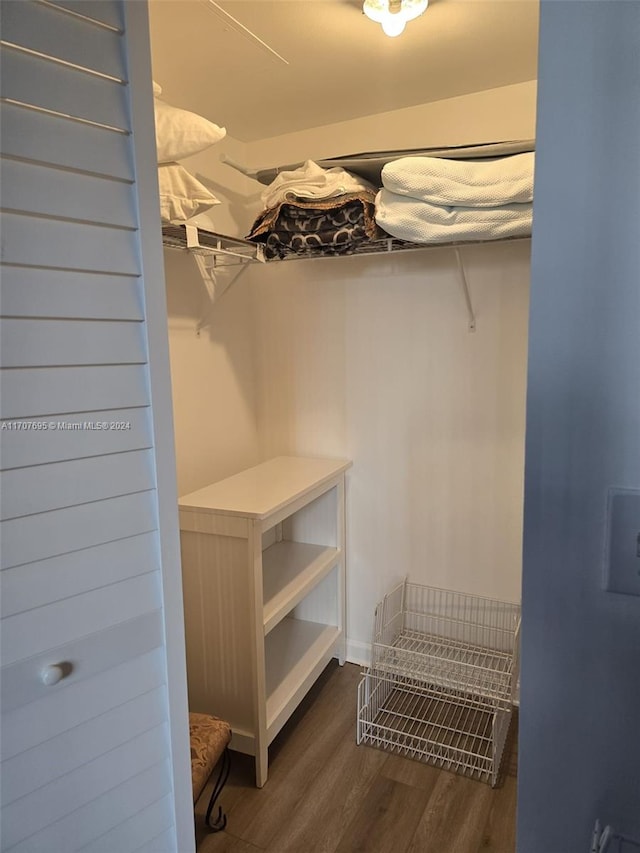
264, 591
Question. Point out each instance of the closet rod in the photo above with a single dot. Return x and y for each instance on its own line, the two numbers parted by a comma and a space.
467, 295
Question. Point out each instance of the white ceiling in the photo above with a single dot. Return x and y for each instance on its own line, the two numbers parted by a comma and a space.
340, 64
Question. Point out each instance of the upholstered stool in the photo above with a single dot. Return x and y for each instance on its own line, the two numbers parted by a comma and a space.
209, 746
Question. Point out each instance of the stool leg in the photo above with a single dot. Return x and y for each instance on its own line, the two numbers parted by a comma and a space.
223, 774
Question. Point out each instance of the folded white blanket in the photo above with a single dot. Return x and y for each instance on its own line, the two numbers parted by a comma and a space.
421, 222
464, 183
312, 181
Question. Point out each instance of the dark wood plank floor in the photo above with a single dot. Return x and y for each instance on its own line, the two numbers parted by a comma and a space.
325, 794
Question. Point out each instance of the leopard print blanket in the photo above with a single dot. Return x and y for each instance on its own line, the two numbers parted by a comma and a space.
312, 227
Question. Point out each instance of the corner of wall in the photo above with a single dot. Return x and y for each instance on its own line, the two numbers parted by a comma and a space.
211, 346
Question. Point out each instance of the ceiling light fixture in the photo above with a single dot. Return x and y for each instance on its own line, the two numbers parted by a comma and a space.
393, 14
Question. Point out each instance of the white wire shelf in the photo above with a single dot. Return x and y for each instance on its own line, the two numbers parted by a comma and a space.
451, 639
445, 728
234, 250
442, 678
482, 672
213, 251
227, 251
388, 245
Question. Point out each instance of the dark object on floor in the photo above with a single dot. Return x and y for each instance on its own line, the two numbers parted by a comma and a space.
210, 738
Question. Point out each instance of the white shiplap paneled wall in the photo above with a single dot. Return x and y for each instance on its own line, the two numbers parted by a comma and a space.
99, 760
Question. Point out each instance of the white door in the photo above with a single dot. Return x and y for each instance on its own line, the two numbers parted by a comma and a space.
95, 752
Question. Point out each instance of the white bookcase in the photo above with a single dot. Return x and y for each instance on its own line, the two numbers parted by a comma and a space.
264, 593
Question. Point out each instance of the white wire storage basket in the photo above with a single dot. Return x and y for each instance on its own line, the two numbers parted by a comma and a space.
450, 639
442, 679
442, 727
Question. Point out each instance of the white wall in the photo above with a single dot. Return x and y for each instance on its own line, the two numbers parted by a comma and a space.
489, 116
212, 370
371, 358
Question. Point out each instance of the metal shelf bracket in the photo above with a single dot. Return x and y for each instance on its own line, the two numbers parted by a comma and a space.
207, 269
214, 254
467, 294
214, 287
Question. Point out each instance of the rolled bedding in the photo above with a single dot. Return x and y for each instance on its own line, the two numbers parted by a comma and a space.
421, 222
462, 183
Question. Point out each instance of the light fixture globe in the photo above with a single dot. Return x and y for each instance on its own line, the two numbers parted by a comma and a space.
393, 25
393, 14
412, 9
376, 10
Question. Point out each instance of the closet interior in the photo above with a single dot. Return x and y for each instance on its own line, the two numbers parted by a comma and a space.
397, 363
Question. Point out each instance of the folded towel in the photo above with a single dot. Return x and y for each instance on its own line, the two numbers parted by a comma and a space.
421, 222
462, 183
312, 181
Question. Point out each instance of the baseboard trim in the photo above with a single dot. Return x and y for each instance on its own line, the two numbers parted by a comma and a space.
359, 653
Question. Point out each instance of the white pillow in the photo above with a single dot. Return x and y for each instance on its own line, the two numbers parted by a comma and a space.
180, 133
157, 89
181, 195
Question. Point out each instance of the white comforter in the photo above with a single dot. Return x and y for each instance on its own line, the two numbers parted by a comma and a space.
422, 222
462, 183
